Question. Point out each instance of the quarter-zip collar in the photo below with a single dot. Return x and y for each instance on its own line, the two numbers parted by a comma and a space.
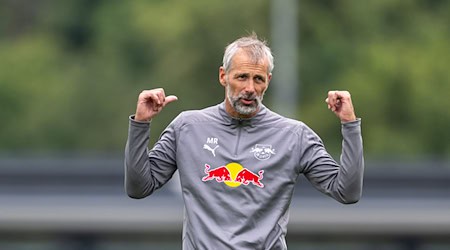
235, 122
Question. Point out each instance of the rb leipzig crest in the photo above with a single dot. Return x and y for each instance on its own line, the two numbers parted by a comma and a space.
262, 151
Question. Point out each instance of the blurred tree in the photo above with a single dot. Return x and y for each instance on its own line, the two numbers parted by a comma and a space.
391, 55
70, 71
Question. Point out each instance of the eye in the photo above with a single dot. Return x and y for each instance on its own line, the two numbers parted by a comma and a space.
260, 79
241, 77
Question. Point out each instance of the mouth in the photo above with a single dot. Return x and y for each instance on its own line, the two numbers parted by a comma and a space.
247, 102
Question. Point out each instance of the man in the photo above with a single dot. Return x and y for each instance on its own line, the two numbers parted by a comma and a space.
238, 161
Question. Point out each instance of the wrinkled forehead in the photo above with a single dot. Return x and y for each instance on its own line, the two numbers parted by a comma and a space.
249, 57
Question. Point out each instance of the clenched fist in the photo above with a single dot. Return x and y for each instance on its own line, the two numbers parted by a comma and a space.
340, 103
151, 102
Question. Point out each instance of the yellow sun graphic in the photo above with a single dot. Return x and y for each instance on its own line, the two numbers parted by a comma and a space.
234, 169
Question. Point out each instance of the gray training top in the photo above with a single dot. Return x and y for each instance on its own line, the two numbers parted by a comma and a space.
238, 175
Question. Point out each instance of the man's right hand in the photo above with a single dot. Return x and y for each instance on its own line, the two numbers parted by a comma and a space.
151, 102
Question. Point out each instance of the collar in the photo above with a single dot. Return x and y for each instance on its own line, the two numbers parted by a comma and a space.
235, 122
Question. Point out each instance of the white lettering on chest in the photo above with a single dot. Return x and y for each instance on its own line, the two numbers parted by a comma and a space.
212, 140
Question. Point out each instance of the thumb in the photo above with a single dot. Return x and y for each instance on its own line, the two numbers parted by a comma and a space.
169, 99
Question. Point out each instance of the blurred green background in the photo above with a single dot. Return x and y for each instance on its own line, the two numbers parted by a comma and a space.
71, 71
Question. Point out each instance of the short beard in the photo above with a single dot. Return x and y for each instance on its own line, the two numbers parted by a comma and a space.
241, 108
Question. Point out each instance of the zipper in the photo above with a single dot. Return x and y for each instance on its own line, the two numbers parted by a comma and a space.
238, 138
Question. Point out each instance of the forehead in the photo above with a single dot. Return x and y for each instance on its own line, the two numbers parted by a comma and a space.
242, 61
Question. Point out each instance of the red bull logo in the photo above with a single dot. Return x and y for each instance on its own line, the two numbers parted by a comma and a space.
221, 174
233, 175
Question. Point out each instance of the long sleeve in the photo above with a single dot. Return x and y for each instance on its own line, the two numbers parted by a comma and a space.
148, 170
342, 181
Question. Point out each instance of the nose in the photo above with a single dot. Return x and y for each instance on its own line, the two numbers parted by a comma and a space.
250, 87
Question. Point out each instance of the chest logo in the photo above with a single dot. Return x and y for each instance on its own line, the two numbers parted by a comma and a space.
262, 151
233, 175
212, 149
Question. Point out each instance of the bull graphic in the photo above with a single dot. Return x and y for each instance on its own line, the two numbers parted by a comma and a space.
221, 174
246, 176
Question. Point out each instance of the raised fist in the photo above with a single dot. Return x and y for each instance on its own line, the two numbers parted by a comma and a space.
340, 102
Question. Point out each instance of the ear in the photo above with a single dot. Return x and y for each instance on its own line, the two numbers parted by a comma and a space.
269, 77
222, 76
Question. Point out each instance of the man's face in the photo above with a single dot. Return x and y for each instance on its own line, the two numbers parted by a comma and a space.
245, 84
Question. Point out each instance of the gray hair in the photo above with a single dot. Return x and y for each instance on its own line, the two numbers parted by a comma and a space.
256, 49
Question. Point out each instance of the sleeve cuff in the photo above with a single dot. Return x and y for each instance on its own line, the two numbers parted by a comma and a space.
135, 123
356, 122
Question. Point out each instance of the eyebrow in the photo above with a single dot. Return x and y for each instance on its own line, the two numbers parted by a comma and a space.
247, 75
240, 74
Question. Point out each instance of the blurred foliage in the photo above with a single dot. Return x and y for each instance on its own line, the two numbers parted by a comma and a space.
71, 71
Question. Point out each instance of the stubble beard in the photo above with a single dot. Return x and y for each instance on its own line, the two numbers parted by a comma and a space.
241, 108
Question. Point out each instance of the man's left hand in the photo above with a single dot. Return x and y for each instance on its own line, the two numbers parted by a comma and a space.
340, 102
